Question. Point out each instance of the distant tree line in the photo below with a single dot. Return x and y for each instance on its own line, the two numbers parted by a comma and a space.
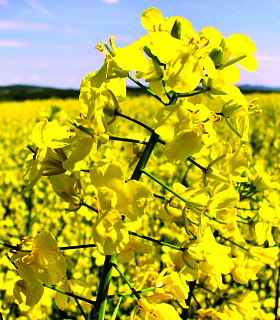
26, 92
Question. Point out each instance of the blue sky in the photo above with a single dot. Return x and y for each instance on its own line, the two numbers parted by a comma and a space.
51, 42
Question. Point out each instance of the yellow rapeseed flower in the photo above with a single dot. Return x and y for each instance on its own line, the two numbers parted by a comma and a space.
44, 262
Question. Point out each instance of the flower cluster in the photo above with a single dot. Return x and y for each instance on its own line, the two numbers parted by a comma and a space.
44, 263
192, 75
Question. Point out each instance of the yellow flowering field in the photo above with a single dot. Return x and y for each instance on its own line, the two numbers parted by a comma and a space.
27, 212
162, 206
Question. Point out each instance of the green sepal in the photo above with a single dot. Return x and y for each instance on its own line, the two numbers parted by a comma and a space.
155, 59
216, 55
176, 31
228, 111
232, 61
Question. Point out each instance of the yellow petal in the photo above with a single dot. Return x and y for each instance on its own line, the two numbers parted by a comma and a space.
134, 199
68, 190
164, 311
249, 63
184, 144
49, 134
177, 287
240, 44
185, 73
110, 239
83, 148
210, 68
37, 134
230, 74
61, 299
132, 58
108, 173
213, 35
151, 19
165, 47
33, 294
107, 201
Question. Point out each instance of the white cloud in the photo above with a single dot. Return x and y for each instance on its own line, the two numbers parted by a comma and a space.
110, 1
35, 4
3, 2
268, 58
63, 47
123, 38
18, 25
16, 80
12, 43
34, 77
15, 43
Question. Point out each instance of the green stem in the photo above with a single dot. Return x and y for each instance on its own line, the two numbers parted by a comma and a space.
248, 195
68, 293
126, 294
88, 131
127, 140
167, 188
214, 218
234, 243
145, 156
139, 123
106, 275
82, 246
162, 197
241, 217
246, 209
188, 203
80, 307
198, 304
31, 149
29, 205
16, 248
162, 243
190, 94
116, 310
13, 310
147, 90
133, 120
197, 164
101, 299
192, 222
164, 88
243, 222
127, 281
186, 312
89, 207
215, 293
163, 185
277, 294
184, 268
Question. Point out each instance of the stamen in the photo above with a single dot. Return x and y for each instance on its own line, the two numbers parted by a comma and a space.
112, 43
102, 49
112, 54
206, 41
